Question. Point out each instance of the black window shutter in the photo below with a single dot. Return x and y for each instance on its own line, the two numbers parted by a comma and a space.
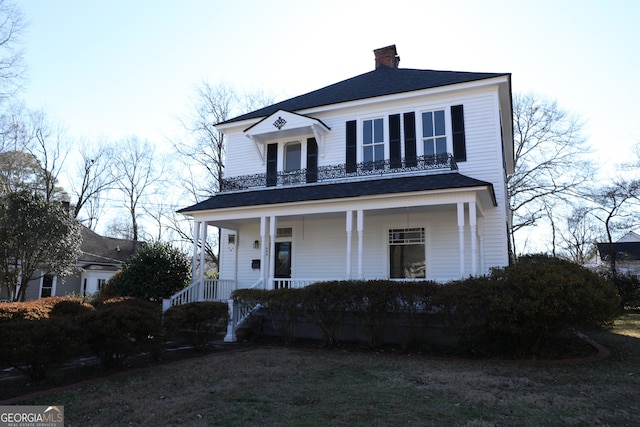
312, 160
351, 146
272, 165
395, 156
457, 124
410, 139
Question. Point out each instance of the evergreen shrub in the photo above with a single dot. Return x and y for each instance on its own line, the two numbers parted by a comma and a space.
125, 326
198, 322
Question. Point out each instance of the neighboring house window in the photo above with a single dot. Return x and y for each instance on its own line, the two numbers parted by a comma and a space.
373, 142
292, 156
47, 286
101, 283
434, 134
407, 253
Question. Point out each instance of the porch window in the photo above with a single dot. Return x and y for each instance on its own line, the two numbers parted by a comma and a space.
373, 143
434, 134
407, 253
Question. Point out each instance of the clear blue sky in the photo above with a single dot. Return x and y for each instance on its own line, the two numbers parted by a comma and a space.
117, 68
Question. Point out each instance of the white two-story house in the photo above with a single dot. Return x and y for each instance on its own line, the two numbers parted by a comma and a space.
392, 174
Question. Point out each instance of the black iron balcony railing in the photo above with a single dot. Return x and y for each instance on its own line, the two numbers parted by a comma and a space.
440, 162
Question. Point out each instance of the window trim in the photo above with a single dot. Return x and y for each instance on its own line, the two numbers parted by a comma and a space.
385, 138
420, 138
424, 240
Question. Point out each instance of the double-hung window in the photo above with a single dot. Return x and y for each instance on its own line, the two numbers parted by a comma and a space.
434, 134
407, 253
373, 143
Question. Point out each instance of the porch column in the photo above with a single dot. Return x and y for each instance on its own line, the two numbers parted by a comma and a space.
196, 236
461, 236
272, 252
474, 238
360, 227
203, 243
203, 232
349, 230
263, 251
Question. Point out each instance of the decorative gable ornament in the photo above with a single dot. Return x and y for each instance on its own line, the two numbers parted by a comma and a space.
288, 126
280, 123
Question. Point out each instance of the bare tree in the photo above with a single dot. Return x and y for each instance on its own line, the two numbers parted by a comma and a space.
49, 146
12, 68
93, 178
578, 238
616, 209
203, 150
550, 158
135, 171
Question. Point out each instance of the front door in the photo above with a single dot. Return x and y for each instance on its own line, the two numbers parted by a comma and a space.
283, 264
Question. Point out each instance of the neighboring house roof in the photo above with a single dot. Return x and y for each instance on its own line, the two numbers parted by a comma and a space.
96, 250
341, 190
379, 82
626, 249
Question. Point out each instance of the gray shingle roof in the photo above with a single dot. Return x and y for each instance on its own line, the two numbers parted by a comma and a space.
380, 82
339, 190
105, 250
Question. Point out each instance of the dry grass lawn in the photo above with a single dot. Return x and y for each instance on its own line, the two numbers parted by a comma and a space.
278, 386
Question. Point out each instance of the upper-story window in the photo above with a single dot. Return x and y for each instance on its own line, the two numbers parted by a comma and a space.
292, 156
373, 140
434, 134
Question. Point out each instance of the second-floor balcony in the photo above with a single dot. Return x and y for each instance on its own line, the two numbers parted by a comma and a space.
341, 172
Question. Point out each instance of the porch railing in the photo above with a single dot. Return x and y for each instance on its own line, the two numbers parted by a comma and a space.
294, 283
201, 290
333, 173
239, 312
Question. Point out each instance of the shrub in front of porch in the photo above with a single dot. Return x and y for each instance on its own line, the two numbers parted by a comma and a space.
367, 311
124, 326
517, 309
198, 322
156, 271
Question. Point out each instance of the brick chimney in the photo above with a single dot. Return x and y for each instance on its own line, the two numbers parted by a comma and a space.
387, 56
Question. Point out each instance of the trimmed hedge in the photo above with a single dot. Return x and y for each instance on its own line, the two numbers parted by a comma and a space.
512, 311
124, 326
516, 309
37, 335
327, 304
198, 322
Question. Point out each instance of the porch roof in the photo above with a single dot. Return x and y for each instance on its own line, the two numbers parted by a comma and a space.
276, 195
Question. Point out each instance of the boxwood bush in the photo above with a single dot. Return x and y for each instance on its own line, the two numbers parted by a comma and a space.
125, 326
198, 322
516, 309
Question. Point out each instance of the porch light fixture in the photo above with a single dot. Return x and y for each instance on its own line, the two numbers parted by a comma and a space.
256, 244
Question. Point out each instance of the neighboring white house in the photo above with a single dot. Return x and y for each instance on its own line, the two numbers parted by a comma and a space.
392, 174
100, 258
627, 252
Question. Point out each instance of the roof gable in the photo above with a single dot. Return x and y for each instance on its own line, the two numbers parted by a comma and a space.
285, 124
379, 82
